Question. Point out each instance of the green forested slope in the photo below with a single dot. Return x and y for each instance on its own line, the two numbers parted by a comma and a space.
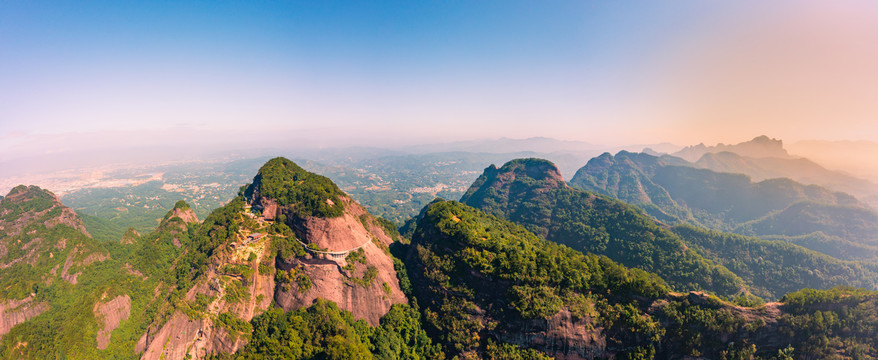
71, 273
479, 277
478, 286
774, 268
675, 191
530, 192
486, 284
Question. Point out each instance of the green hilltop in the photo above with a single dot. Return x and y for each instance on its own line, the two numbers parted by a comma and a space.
531, 192
312, 195
553, 282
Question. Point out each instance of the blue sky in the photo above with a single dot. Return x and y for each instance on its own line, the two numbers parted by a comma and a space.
611, 72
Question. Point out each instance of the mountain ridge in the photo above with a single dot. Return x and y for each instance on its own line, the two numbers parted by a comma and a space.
674, 191
759, 147
593, 223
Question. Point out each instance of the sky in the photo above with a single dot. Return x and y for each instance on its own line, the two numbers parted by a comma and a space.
80, 74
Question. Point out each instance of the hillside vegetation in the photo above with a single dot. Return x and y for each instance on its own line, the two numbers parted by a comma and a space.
674, 191
468, 284
531, 192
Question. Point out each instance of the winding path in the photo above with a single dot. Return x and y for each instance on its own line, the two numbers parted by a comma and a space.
333, 254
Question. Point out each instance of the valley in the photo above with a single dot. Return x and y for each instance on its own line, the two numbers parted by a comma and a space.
438, 180
526, 265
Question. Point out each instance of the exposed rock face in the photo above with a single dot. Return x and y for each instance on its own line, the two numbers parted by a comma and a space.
47, 202
367, 288
70, 262
14, 312
330, 280
269, 207
240, 279
178, 218
34, 206
172, 341
562, 336
130, 237
111, 314
187, 215
40, 202
339, 233
68, 217
131, 270
181, 336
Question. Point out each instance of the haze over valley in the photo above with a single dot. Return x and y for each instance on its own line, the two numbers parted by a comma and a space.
439, 180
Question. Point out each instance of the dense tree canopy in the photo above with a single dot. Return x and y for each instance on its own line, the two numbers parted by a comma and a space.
307, 193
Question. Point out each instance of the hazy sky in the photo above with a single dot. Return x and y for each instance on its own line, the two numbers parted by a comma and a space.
608, 72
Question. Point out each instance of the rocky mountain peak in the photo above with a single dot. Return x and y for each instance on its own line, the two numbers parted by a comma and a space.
759, 147
178, 218
183, 211
282, 183
25, 204
536, 174
537, 169
346, 255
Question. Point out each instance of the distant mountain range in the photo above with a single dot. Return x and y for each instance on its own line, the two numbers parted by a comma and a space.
765, 158
532, 193
292, 267
759, 147
857, 158
673, 190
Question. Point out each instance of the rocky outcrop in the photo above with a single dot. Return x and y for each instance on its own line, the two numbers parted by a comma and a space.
366, 288
365, 301
40, 202
562, 336
131, 270
240, 280
187, 215
203, 336
70, 262
130, 237
39, 211
14, 312
354, 229
182, 338
174, 338
268, 206
339, 233
67, 217
178, 218
111, 314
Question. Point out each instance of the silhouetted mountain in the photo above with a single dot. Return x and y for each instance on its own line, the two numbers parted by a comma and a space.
759, 147
799, 169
